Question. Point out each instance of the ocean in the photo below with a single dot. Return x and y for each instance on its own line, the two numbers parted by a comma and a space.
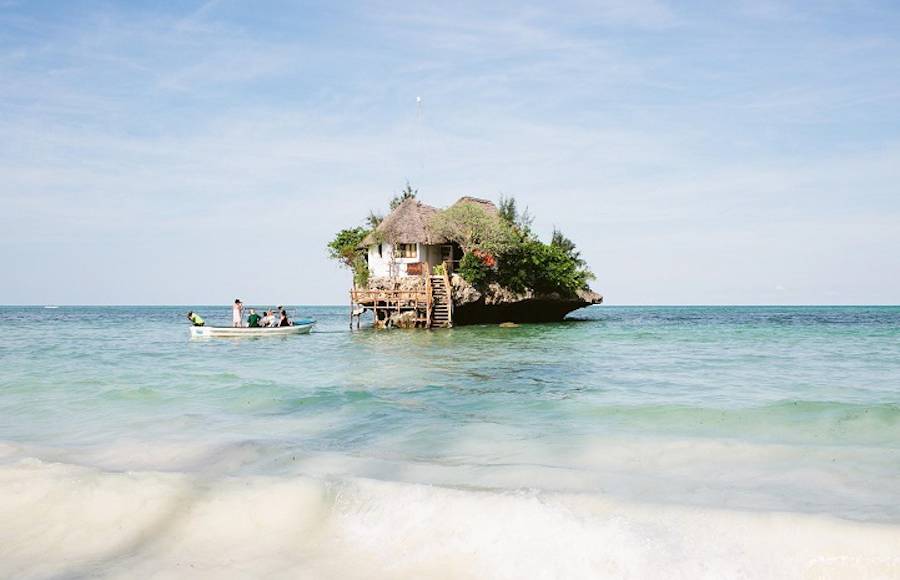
635, 442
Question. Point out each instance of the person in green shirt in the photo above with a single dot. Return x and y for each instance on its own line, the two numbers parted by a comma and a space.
253, 319
195, 319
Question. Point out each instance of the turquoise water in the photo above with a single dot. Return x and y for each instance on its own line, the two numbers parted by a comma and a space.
751, 410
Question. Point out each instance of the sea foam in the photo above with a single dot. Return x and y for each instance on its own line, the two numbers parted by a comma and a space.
65, 519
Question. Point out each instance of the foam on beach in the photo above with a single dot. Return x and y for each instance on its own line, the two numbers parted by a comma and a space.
79, 521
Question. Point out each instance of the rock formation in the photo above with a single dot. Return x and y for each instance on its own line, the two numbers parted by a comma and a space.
493, 305
496, 304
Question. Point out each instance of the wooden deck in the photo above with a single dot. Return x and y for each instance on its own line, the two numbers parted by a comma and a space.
431, 302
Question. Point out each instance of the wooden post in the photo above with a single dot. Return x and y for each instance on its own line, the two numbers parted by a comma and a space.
449, 291
428, 302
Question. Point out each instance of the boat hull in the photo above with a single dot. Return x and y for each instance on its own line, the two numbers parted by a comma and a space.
299, 327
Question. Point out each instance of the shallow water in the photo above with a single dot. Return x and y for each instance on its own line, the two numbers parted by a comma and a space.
632, 441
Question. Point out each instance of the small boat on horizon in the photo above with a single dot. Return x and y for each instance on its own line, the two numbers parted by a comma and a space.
299, 327
51, 307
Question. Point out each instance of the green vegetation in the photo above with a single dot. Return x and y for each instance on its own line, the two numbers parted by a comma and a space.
544, 268
345, 245
373, 220
475, 271
360, 271
509, 213
505, 250
470, 226
345, 249
407, 193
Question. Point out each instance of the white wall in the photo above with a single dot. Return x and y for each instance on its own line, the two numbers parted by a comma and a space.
386, 265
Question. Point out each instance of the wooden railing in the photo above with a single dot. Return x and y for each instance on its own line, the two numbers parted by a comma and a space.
449, 290
396, 300
365, 296
429, 293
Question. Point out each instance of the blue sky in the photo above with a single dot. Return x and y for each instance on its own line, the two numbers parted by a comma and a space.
697, 152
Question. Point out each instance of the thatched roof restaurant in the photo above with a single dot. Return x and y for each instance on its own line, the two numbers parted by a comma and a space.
403, 243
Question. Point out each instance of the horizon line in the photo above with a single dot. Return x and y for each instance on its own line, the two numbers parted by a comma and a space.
671, 305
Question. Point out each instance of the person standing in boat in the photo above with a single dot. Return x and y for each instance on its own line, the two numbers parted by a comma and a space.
237, 313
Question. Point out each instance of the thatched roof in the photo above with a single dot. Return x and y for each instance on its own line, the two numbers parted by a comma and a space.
485, 204
408, 224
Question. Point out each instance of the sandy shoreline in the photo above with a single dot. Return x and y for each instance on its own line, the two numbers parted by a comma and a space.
61, 519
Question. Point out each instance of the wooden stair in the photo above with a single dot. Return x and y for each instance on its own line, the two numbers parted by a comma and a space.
441, 314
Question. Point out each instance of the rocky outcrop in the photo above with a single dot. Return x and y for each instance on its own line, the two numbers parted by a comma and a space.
492, 305
404, 283
496, 304
402, 320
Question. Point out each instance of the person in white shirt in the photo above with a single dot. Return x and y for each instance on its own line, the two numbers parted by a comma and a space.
237, 313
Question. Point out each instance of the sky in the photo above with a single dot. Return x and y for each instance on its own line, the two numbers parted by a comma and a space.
697, 152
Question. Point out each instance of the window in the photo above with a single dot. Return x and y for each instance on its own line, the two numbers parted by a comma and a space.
406, 251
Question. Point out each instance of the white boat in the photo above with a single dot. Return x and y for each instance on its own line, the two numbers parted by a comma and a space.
299, 327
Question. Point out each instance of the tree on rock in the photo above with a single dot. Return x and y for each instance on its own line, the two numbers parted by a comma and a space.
407, 193
345, 249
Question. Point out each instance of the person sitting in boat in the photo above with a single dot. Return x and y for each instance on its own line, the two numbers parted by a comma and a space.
267, 319
285, 321
195, 319
253, 319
